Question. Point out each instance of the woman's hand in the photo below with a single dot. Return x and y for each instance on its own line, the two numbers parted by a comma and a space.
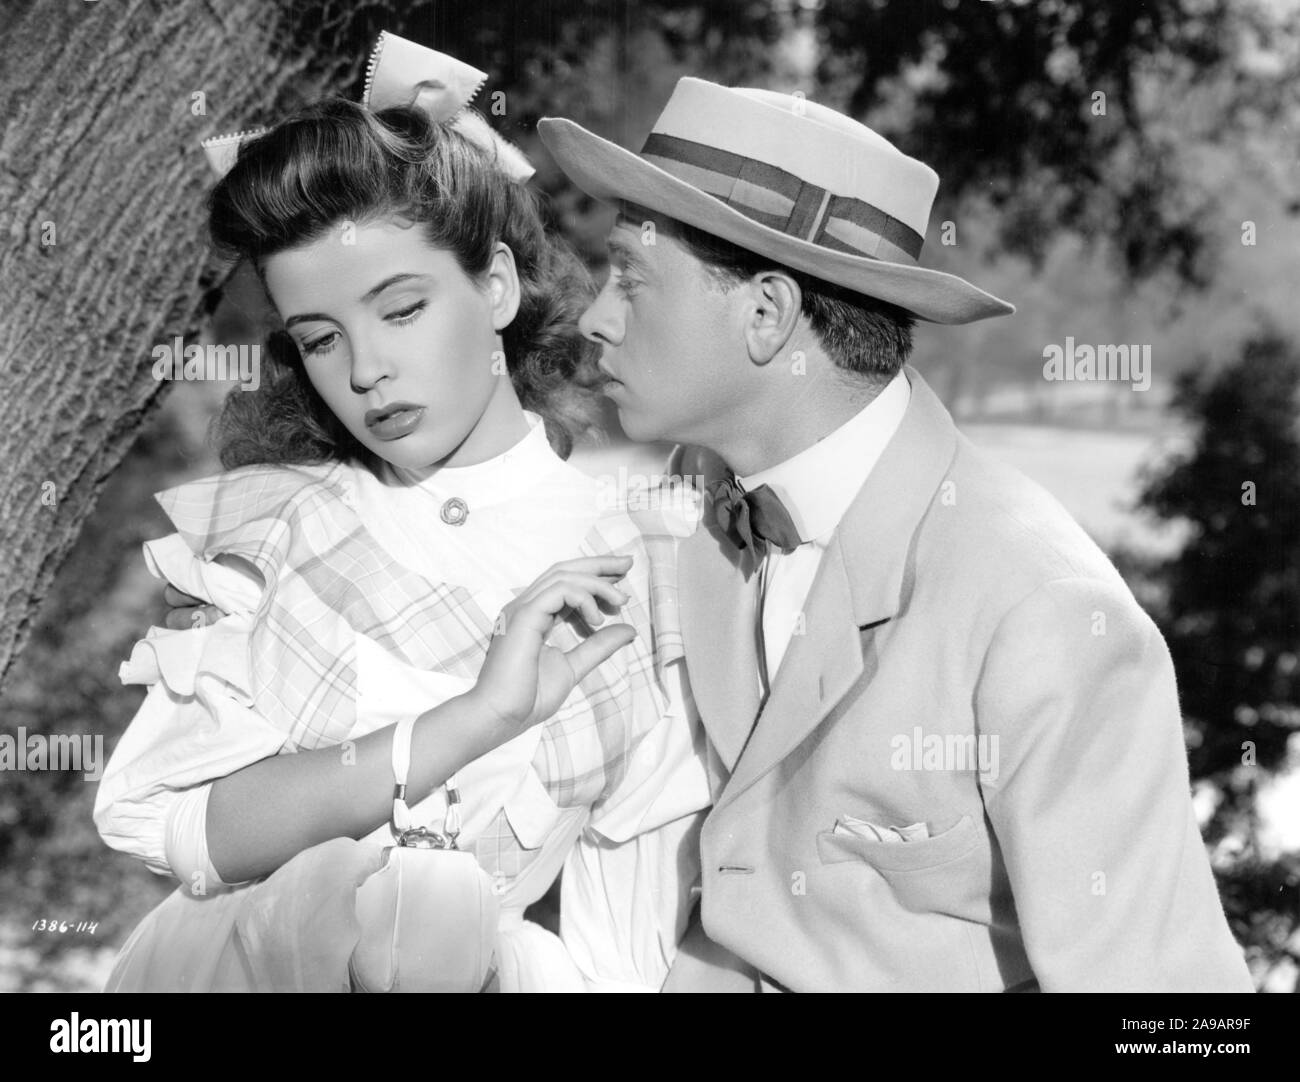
186, 612
523, 681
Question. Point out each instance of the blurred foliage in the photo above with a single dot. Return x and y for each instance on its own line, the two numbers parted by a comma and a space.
1230, 611
1233, 609
1007, 97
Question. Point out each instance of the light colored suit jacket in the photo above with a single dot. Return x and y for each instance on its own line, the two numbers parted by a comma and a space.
970, 660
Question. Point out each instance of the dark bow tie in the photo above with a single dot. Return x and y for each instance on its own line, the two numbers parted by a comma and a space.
753, 519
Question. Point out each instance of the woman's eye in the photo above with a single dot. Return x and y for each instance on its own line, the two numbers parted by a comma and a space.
406, 315
320, 345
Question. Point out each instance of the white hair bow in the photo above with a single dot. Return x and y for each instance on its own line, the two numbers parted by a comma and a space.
401, 72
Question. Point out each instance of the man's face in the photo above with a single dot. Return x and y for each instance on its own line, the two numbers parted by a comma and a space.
671, 336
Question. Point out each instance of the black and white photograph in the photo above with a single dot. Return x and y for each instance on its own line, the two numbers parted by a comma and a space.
662, 496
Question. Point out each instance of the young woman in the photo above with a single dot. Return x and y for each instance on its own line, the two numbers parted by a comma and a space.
400, 539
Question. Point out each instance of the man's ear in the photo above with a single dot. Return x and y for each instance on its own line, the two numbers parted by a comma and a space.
775, 305
502, 280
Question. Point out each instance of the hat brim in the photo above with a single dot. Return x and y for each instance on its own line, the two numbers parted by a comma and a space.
608, 172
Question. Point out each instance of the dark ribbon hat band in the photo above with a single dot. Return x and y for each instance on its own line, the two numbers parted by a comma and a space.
779, 200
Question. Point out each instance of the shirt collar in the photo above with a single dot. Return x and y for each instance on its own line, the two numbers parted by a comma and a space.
818, 484
500, 479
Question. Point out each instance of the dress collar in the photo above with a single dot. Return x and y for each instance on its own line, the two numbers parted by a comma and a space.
496, 480
818, 484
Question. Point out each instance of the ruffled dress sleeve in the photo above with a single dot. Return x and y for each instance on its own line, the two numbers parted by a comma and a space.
197, 722
201, 718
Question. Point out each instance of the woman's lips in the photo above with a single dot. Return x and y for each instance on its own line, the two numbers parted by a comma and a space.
395, 421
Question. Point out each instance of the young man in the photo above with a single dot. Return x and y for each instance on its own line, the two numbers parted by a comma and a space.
945, 743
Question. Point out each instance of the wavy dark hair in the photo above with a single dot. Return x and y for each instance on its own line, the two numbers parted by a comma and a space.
335, 162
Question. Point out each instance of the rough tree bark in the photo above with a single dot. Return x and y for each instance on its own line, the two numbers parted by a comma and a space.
102, 246
102, 185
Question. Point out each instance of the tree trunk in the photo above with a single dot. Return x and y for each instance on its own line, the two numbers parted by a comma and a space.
103, 252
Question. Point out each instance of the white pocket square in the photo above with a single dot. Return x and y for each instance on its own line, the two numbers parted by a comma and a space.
848, 824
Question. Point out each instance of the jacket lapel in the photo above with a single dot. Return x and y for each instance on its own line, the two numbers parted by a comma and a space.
861, 581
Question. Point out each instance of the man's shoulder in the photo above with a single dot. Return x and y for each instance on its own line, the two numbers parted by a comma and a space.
992, 526
997, 558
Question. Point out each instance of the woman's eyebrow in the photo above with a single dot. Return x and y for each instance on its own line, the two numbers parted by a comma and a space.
392, 280
306, 317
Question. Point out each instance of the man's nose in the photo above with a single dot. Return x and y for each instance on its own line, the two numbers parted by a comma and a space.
602, 322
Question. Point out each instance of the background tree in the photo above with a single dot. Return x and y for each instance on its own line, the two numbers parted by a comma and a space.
1229, 608
102, 191
1100, 161
1057, 110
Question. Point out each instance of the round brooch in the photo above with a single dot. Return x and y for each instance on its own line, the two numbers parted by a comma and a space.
455, 511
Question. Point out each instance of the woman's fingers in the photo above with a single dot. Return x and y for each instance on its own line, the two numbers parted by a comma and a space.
617, 566
612, 568
582, 592
537, 614
595, 589
186, 611
523, 679
178, 599
598, 648
184, 619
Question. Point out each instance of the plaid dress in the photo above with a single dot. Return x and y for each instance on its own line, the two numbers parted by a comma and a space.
328, 580
327, 585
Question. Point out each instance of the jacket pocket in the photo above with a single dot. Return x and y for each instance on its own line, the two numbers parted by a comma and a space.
947, 873
953, 843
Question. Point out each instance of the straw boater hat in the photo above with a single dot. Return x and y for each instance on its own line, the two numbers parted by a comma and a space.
784, 178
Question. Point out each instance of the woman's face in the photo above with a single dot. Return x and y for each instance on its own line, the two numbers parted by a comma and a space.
401, 344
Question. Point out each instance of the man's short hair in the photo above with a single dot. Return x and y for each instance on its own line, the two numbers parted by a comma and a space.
868, 337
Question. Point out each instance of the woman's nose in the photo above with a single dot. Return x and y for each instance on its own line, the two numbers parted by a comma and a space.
370, 364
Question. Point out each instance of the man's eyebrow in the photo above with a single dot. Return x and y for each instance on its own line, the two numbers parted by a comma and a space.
371, 294
623, 251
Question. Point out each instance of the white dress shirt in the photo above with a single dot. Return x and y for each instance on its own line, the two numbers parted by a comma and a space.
817, 486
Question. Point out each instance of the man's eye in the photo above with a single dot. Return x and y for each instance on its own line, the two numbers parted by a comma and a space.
625, 285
